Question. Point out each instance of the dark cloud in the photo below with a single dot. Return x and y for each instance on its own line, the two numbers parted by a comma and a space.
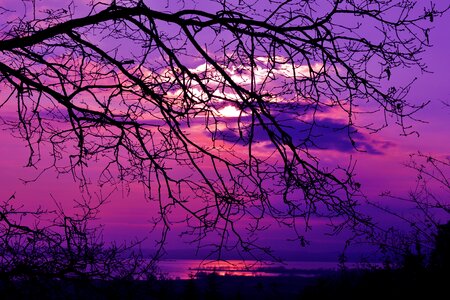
323, 133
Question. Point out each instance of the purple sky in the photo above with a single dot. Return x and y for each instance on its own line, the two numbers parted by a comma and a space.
378, 170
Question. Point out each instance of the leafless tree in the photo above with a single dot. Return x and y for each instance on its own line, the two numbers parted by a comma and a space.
219, 112
424, 212
42, 244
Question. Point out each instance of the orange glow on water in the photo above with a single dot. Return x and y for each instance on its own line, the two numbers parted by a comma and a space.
191, 268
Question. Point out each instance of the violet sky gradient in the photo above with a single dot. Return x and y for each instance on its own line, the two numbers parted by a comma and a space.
379, 169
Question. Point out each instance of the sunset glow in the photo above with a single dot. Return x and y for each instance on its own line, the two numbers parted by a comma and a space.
223, 130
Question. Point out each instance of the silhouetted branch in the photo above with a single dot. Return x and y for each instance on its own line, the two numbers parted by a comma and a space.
425, 209
50, 244
217, 112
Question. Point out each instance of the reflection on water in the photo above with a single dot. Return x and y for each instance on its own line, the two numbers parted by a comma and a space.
189, 268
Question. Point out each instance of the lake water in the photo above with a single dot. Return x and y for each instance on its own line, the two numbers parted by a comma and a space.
189, 268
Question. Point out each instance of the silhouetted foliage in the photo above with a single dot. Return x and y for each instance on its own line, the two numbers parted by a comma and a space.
44, 245
420, 236
413, 279
440, 257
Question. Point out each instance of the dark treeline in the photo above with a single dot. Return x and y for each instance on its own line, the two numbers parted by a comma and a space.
418, 277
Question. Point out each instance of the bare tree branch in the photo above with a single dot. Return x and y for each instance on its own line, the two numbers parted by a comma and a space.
146, 93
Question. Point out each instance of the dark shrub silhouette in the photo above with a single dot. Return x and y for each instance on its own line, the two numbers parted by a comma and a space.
440, 257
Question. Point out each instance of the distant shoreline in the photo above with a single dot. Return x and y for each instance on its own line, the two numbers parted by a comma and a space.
190, 268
